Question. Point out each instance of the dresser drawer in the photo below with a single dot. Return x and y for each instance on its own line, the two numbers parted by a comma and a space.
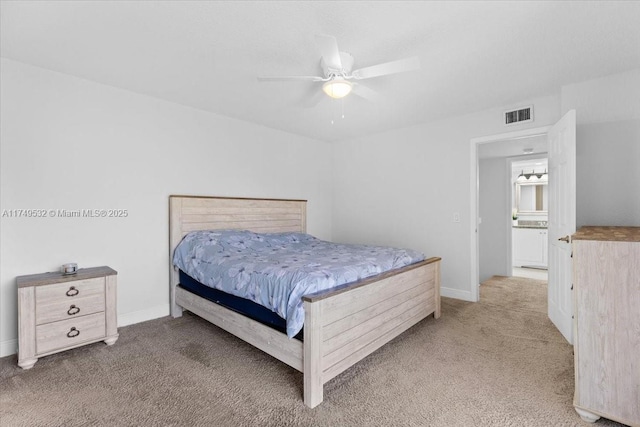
69, 291
69, 308
68, 333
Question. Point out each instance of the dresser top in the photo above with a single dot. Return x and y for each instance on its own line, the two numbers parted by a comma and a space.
614, 234
58, 277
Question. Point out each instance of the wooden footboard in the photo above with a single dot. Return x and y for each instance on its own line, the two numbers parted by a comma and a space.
342, 326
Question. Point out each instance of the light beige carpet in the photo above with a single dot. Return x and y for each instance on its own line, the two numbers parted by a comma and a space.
499, 362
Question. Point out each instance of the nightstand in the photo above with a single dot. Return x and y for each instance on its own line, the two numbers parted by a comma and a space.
58, 312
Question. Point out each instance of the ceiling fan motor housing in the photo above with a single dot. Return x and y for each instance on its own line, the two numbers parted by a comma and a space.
347, 66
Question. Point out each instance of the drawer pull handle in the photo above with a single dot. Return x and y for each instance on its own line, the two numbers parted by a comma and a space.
72, 292
73, 332
73, 310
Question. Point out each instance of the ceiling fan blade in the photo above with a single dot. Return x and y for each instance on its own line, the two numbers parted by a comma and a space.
286, 78
328, 46
399, 66
365, 93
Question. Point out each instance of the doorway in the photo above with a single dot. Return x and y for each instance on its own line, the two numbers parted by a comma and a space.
496, 153
561, 140
529, 195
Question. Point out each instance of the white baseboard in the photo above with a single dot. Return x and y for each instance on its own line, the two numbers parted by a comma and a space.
457, 294
143, 315
9, 347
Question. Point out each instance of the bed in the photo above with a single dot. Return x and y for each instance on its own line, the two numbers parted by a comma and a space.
341, 326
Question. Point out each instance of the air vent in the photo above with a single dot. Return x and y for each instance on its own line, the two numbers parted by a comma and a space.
520, 115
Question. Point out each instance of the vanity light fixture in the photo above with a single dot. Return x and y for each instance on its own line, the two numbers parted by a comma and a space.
527, 176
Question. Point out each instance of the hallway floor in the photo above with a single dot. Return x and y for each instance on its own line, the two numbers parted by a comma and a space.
531, 273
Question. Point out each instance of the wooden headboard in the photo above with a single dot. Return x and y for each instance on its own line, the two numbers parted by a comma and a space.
191, 213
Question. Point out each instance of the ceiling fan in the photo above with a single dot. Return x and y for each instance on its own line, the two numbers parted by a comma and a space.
338, 74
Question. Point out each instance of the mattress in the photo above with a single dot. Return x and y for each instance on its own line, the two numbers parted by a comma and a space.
238, 304
275, 270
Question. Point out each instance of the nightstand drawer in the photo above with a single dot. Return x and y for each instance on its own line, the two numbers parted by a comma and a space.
68, 333
69, 308
69, 291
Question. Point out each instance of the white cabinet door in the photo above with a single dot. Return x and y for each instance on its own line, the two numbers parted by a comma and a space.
529, 247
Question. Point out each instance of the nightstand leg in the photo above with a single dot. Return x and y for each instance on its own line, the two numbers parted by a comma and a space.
27, 363
111, 340
27, 327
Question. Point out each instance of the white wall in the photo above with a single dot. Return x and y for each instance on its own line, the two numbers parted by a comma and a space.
608, 148
608, 173
68, 143
402, 187
494, 207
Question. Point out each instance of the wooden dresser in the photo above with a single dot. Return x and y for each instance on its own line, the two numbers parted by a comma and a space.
607, 323
58, 312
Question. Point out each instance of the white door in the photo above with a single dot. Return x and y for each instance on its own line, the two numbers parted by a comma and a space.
562, 221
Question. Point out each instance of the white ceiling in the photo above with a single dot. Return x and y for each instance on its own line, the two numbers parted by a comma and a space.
474, 55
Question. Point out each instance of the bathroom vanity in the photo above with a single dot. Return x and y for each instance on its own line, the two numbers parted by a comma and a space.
530, 244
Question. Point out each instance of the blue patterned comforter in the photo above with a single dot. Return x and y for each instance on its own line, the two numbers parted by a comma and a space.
276, 270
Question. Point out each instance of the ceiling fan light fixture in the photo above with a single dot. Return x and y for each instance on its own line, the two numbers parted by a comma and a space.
337, 88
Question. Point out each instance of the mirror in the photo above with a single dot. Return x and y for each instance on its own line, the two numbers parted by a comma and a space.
532, 197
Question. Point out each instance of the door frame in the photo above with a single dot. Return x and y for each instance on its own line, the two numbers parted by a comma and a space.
474, 185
